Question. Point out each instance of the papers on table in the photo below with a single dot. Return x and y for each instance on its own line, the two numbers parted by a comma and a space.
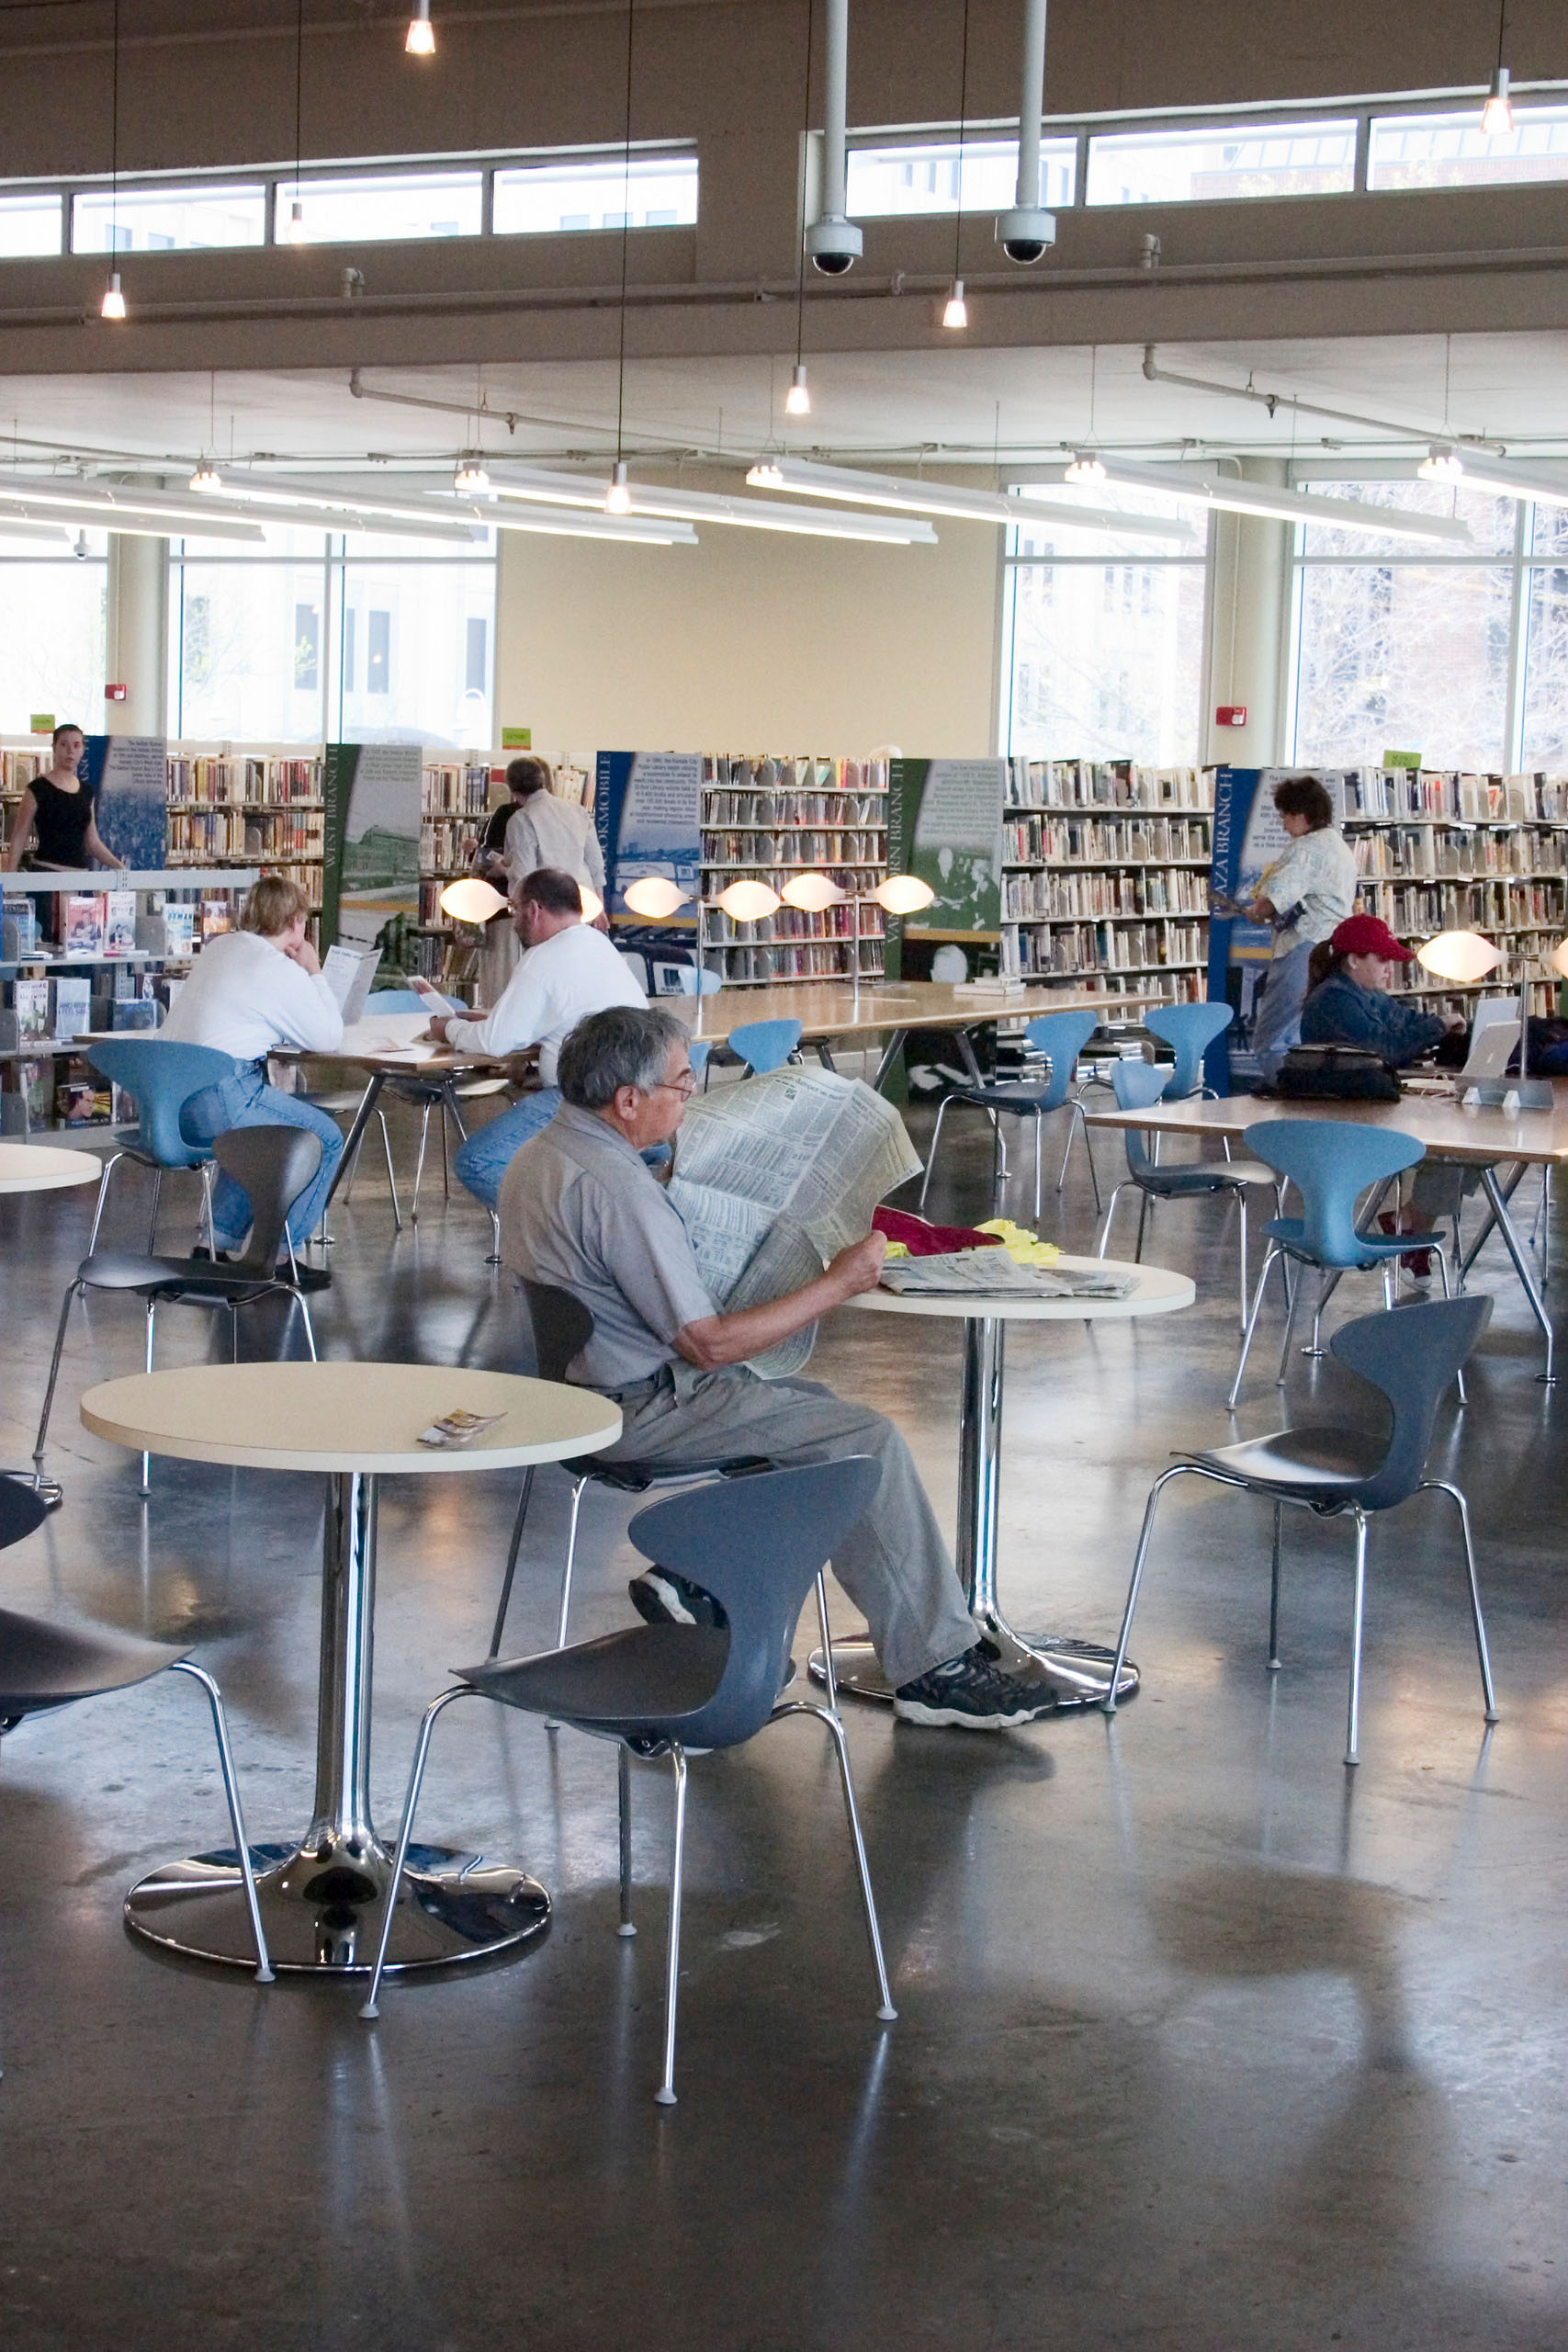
391, 1036
979, 1272
348, 972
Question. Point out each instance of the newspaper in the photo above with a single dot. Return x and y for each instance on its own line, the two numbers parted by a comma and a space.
348, 972
775, 1176
991, 1273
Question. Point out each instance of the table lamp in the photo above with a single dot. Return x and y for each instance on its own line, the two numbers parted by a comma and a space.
469, 899
1465, 956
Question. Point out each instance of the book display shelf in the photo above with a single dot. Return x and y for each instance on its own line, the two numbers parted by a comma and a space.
456, 797
764, 819
1105, 875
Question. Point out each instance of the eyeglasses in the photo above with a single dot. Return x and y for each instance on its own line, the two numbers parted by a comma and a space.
685, 1087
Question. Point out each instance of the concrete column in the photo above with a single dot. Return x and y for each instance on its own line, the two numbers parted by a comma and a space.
137, 637
1249, 613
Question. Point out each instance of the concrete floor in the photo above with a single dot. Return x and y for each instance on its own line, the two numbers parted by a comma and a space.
1204, 2042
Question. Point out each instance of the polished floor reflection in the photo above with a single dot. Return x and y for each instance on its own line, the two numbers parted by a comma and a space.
1204, 2042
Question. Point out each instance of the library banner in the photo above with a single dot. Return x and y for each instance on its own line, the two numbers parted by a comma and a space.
1248, 835
371, 874
128, 778
647, 810
944, 824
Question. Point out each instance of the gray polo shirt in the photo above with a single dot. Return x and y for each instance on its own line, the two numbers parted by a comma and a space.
580, 1210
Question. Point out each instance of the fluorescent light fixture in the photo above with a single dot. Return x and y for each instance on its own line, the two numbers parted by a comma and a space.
955, 312
618, 497
1461, 955
439, 516
944, 498
814, 893
797, 400
470, 480
655, 895
294, 227
903, 894
1498, 114
709, 506
113, 304
1441, 463
747, 902
207, 476
471, 899
31, 531
129, 525
1086, 468
1481, 472
110, 506
1286, 506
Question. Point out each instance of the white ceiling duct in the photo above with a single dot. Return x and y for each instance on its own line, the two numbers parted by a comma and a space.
833, 243
1026, 231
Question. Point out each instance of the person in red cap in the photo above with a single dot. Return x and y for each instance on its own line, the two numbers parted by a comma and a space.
1350, 1002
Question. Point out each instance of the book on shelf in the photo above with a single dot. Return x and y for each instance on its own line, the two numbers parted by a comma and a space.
71, 1006
137, 1012
217, 917
29, 1003
119, 922
81, 1098
20, 935
179, 930
86, 920
27, 1097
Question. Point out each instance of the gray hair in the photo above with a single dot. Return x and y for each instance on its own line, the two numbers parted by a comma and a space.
624, 1046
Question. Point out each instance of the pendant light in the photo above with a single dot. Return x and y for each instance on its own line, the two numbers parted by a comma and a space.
1085, 468
113, 304
797, 400
1498, 114
956, 311
420, 40
1441, 463
470, 480
618, 497
293, 230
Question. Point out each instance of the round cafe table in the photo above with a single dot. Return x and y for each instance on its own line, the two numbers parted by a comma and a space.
1080, 1672
39, 1167
351, 1424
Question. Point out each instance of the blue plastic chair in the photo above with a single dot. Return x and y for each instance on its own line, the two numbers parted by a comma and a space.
1136, 1085
162, 1075
1410, 1355
763, 1046
1188, 1029
1331, 1162
1061, 1037
758, 1547
711, 981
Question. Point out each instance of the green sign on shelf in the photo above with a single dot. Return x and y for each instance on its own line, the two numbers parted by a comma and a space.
41, 723
1401, 759
516, 738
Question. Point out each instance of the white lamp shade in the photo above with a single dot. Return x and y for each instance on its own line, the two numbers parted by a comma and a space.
472, 901
1461, 955
593, 904
813, 892
904, 894
655, 895
749, 902
1558, 959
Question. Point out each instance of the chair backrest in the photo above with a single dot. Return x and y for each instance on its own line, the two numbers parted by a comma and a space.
756, 1544
711, 981
1061, 1037
272, 1167
21, 1510
1331, 1162
562, 1328
763, 1046
1188, 1029
1411, 1353
163, 1075
1135, 1085
699, 1048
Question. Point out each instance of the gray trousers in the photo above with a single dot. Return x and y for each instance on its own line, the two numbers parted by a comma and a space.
894, 1566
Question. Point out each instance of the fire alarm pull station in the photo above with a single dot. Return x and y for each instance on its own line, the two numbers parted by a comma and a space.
1231, 714
117, 694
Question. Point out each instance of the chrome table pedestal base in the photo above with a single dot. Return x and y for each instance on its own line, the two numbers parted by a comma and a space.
321, 1896
1079, 1672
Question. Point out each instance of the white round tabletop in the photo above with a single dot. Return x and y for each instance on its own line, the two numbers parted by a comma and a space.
1159, 1291
39, 1167
346, 1417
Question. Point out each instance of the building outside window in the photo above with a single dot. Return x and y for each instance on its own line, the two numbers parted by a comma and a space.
53, 626
1102, 642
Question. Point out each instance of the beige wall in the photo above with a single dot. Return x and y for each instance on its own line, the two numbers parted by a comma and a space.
751, 641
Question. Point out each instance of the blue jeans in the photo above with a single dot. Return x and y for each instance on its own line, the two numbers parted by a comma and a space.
1277, 1023
248, 1101
484, 1159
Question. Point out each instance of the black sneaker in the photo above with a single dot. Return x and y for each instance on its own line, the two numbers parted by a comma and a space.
303, 1277
972, 1694
661, 1598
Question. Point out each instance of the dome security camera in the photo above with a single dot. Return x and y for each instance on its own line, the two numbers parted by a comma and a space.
1025, 233
833, 246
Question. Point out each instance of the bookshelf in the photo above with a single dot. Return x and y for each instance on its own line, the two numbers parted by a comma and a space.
456, 797
764, 819
1105, 876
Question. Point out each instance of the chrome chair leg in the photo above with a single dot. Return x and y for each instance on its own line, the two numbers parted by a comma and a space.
1274, 1592
1241, 1205
419, 1164
579, 1486
1270, 1255
494, 1257
1441, 1487
1111, 1212
236, 1816
146, 1486
624, 1823
391, 1179
304, 1306
665, 2094
1291, 1299
499, 1626
445, 1162
1143, 1220
75, 1291
1441, 1256
1178, 1470
405, 1833
1353, 1718
942, 1110
831, 1716
1326, 1286
153, 1220
1037, 1166
110, 1164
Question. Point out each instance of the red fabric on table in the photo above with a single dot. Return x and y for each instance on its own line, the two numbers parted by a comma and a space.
923, 1240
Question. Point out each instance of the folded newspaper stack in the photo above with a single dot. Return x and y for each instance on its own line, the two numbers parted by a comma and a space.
993, 1274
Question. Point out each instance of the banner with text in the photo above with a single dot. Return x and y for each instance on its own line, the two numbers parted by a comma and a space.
1249, 834
370, 877
128, 778
648, 808
944, 824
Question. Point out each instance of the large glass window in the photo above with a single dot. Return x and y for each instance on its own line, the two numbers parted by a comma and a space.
1225, 162
930, 176
28, 224
387, 204
53, 624
172, 219
1418, 150
541, 200
1104, 641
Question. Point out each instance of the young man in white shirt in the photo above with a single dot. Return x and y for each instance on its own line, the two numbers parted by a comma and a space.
569, 971
250, 991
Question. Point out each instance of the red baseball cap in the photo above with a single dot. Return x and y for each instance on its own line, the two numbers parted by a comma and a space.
1368, 935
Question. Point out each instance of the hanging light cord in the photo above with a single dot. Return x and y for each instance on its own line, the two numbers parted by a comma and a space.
299, 90
800, 242
114, 138
625, 235
963, 132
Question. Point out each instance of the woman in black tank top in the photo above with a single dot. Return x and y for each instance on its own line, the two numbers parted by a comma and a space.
58, 809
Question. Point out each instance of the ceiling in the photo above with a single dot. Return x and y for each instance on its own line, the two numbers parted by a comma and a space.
962, 404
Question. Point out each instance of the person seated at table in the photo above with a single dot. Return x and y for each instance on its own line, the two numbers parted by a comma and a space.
582, 1211
569, 970
251, 991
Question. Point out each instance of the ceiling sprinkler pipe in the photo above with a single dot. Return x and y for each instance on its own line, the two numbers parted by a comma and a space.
833, 243
1027, 231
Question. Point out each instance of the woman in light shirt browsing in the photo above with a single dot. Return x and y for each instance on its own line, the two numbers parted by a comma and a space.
1303, 896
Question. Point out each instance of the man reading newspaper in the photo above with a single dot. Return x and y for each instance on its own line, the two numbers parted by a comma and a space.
582, 1210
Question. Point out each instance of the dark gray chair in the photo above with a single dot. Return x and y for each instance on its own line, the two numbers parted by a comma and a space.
562, 1329
274, 1166
44, 1665
1136, 1085
1410, 1354
757, 1548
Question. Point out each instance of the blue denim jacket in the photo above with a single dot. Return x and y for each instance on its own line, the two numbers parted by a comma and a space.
1337, 1012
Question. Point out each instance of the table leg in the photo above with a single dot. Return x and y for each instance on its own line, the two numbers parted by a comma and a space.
1079, 1672
1521, 1267
890, 1053
322, 1898
357, 1125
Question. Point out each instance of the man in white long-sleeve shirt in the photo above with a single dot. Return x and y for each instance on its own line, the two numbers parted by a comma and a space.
250, 991
569, 971
546, 831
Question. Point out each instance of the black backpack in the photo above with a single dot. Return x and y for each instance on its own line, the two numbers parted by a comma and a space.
1337, 1074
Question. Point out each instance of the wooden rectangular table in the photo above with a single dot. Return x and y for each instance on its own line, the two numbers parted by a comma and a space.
1484, 1137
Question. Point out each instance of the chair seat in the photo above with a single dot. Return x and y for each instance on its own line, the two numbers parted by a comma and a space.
1290, 1232
48, 1665
1183, 1179
1004, 1096
638, 1683
635, 1477
339, 1105
471, 1093
1319, 1465
199, 1277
